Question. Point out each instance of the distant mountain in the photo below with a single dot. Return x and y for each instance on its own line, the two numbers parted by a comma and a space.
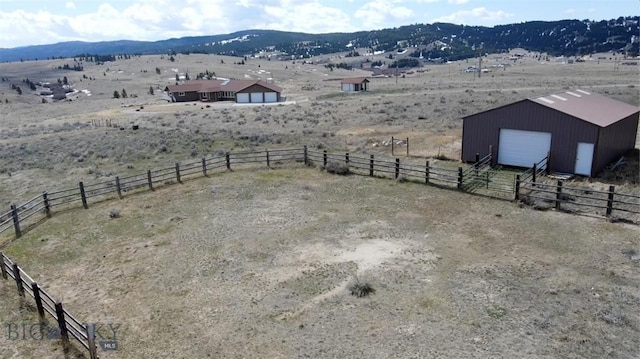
438, 40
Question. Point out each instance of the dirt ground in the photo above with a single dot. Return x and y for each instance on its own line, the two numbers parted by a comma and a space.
259, 264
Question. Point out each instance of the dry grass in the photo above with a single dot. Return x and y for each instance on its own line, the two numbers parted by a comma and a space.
261, 263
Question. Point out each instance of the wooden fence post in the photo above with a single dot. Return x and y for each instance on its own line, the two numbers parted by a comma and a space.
392, 145
397, 168
306, 155
83, 196
371, 166
612, 191
548, 163
16, 220
426, 173
227, 158
149, 180
178, 172
3, 269
346, 158
204, 166
535, 171
16, 275
491, 154
62, 325
517, 187
324, 158
460, 177
91, 340
38, 299
407, 146
118, 187
558, 194
47, 206
475, 165
268, 162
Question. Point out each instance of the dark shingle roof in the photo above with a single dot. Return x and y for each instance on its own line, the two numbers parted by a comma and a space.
354, 80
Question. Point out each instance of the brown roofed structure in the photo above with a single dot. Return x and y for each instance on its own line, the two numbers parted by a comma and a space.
217, 90
354, 80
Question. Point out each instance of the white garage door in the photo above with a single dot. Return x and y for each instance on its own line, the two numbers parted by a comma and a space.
243, 97
256, 97
270, 97
522, 148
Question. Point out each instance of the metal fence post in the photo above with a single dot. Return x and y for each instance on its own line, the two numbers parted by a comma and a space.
460, 177
268, 163
227, 158
407, 146
346, 158
612, 191
306, 155
517, 187
397, 168
83, 196
535, 173
149, 180
47, 206
204, 166
324, 158
16, 220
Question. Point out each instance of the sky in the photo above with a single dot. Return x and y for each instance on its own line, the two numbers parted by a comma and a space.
36, 22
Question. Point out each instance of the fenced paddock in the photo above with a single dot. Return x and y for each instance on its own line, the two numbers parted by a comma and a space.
480, 177
474, 178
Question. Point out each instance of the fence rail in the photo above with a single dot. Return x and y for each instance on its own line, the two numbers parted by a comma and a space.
45, 304
572, 198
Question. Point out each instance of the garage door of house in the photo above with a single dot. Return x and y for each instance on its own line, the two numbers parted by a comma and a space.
256, 97
522, 148
270, 97
242, 98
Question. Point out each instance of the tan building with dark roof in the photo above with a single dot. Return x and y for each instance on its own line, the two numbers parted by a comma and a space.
583, 132
355, 84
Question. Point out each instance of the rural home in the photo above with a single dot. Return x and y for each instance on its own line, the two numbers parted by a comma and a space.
354, 84
240, 91
583, 132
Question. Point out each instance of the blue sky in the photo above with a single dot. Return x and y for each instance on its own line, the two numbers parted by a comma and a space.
33, 22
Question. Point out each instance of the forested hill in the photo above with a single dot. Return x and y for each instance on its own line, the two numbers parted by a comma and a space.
438, 40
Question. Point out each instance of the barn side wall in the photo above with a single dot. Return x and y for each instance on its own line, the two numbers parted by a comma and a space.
614, 141
481, 130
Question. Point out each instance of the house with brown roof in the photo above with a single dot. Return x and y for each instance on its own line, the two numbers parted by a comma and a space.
581, 131
239, 91
355, 84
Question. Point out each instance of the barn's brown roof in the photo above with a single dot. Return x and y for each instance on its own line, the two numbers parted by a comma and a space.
220, 85
590, 107
354, 80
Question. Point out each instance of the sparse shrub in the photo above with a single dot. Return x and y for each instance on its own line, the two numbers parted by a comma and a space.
361, 290
337, 168
114, 213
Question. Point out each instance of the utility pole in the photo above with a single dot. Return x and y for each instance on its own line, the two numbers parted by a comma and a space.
480, 60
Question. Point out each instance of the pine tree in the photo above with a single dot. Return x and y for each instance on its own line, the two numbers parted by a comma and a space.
116, 94
151, 90
124, 93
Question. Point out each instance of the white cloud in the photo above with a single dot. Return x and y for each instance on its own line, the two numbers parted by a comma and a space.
458, 2
70, 5
305, 16
479, 14
382, 13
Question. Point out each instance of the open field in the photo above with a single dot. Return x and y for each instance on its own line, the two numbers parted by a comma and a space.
258, 264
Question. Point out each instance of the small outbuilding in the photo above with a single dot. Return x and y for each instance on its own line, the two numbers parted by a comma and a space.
355, 84
582, 132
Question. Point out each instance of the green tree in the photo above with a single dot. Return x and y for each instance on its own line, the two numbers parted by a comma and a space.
65, 80
124, 93
158, 70
151, 90
116, 94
